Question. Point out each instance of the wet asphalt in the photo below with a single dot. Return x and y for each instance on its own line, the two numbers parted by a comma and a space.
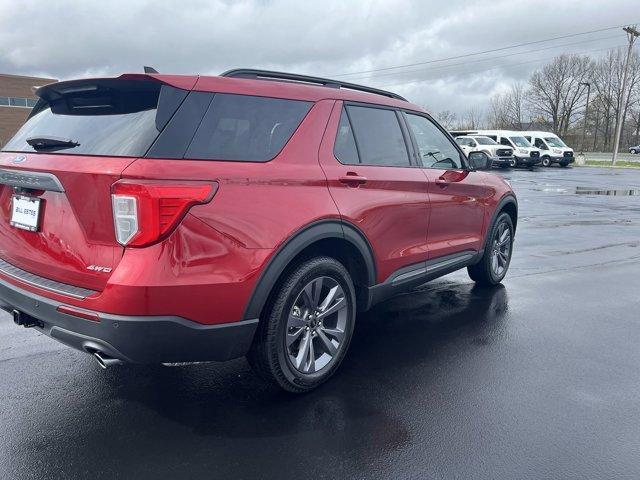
537, 378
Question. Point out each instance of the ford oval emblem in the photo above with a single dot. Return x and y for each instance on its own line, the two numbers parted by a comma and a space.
19, 159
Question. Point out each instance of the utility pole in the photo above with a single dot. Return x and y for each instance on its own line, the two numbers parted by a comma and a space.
586, 113
632, 34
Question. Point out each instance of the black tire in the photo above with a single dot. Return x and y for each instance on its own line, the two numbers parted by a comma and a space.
483, 272
564, 164
269, 355
513, 163
546, 161
633, 151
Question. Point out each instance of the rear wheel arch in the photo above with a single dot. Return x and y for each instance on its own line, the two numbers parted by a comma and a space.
333, 238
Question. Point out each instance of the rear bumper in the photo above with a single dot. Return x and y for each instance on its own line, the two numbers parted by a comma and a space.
136, 339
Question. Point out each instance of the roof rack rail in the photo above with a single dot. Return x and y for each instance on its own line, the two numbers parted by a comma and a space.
325, 82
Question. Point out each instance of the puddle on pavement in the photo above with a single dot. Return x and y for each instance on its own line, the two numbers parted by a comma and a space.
604, 191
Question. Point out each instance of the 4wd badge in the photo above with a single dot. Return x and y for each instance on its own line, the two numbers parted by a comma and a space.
98, 268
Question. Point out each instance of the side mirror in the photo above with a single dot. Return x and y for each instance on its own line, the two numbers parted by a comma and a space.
479, 161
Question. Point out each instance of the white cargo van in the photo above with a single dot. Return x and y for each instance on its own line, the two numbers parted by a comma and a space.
500, 155
553, 149
524, 154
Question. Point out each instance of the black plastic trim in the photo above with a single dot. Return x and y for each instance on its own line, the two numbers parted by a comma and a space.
411, 276
302, 239
136, 339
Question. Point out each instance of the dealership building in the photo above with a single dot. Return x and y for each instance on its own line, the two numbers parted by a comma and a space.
16, 100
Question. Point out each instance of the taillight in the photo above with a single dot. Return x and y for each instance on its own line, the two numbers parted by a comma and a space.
145, 212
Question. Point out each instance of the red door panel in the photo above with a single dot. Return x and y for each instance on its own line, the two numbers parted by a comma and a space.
458, 200
388, 204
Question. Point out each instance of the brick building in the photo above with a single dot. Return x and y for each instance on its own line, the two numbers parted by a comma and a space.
16, 100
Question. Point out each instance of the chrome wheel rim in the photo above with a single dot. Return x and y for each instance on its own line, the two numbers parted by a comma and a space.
501, 250
316, 325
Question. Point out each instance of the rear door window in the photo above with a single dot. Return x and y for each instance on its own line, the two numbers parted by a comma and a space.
246, 128
378, 136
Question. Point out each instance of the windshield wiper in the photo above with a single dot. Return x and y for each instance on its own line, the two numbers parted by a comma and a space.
51, 143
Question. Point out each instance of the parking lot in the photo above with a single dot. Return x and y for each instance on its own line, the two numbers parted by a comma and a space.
538, 378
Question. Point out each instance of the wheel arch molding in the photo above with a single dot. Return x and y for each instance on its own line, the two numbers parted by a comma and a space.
303, 240
509, 204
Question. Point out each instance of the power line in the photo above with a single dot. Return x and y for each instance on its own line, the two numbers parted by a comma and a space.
494, 68
478, 53
405, 72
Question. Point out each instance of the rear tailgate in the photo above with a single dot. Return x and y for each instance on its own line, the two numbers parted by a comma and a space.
75, 243
75, 145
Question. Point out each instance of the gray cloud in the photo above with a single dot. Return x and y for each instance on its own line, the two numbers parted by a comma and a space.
67, 39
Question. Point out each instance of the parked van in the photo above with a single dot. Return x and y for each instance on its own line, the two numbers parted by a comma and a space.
553, 149
500, 155
524, 154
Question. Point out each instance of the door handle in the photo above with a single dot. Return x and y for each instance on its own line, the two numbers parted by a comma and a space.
352, 179
443, 182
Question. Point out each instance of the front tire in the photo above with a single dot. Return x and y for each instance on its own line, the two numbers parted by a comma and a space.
513, 163
307, 327
633, 151
497, 253
546, 161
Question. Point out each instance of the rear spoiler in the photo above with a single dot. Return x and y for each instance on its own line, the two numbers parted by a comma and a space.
55, 90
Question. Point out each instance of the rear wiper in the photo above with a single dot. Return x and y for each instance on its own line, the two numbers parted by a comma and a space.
51, 143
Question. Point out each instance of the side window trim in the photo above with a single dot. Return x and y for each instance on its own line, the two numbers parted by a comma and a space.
408, 141
463, 157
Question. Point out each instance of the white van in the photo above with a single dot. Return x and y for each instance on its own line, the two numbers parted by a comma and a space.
524, 154
500, 155
553, 149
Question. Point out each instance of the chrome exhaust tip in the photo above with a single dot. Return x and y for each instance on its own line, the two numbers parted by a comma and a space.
104, 361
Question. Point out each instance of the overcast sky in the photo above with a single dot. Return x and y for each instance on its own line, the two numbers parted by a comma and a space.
66, 39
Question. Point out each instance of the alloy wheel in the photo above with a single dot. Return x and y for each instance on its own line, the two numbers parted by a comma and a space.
316, 325
501, 250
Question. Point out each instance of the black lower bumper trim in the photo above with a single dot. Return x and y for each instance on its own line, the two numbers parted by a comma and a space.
138, 339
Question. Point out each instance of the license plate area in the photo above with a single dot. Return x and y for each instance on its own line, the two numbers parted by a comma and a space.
25, 212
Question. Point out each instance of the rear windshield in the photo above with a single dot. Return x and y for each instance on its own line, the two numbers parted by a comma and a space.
143, 118
115, 118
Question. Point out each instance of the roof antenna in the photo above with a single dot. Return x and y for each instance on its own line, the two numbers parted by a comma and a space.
150, 70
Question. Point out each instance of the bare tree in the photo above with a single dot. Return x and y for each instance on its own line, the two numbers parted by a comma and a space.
507, 110
473, 118
555, 91
607, 80
515, 105
447, 119
498, 116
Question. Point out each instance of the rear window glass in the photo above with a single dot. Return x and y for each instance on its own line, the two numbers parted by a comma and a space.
246, 128
115, 118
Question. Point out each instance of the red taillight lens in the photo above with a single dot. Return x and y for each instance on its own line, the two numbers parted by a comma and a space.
145, 212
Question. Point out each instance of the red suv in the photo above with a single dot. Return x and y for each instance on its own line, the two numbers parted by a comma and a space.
160, 218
